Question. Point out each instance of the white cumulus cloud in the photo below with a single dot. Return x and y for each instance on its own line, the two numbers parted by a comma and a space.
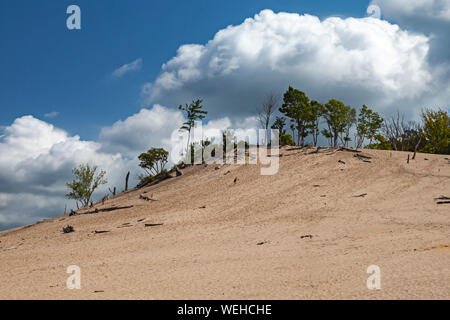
136, 65
35, 163
358, 60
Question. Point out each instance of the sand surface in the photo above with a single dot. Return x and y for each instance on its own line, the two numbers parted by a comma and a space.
246, 243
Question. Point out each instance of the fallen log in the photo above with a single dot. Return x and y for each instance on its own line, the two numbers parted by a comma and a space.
101, 231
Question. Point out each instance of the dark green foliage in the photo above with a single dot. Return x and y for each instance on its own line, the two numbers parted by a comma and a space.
153, 161
147, 179
279, 124
286, 140
296, 106
368, 125
339, 119
381, 143
85, 182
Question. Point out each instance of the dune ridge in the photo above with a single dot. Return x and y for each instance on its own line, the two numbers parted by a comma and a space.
308, 232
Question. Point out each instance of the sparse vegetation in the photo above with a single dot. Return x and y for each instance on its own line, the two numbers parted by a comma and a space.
193, 112
85, 182
153, 162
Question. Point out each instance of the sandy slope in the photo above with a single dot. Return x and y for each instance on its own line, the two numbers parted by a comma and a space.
212, 253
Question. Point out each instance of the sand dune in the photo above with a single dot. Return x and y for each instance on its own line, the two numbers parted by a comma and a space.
304, 233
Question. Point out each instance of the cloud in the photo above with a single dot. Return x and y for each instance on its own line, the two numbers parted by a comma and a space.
136, 65
360, 61
52, 114
36, 161
431, 17
148, 128
37, 158
423, 9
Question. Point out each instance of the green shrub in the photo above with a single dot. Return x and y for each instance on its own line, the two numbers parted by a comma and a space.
286, 140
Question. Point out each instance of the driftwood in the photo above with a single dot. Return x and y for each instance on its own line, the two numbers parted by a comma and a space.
153, 224
360, 195
349, 150
345, 149
101, 231
100, 210
442, 200
306, 236
340, 161
363, 158
146, 198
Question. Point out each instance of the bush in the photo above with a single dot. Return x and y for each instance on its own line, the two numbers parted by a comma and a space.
85, 182
286, 140
382, 143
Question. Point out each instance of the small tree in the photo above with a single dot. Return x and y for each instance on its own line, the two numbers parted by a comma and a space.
339, 119
296, 106
153, 161
367, 126
265, 113
193, 112
85, 182
436, 131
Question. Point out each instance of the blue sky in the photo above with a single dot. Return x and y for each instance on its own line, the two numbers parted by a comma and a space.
104, 94
45, 67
